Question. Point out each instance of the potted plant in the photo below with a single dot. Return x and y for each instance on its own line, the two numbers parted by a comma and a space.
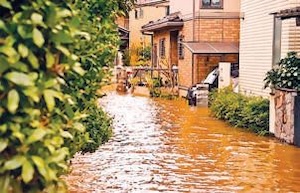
286, 74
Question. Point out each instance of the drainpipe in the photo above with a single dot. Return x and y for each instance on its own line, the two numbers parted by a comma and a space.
194, 31
277, 28
194, 17
192, 69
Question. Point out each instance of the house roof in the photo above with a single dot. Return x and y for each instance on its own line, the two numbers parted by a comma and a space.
173, 20
123, 29
123, 33
143, 3
288, 13
212, 47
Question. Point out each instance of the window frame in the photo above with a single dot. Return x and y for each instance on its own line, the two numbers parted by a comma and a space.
211, 6
162, 47
136, 14
180, 47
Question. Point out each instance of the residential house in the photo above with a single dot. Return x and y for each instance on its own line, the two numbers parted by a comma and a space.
144, 11
265, 38
256, 44
123, 28
196, 42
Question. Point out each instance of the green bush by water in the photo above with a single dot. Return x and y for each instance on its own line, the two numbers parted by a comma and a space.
241, 111
51, 59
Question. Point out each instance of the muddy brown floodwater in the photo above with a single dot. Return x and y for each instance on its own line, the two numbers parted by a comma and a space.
167, 146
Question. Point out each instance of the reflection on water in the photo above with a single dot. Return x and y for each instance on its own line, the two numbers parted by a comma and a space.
167, 146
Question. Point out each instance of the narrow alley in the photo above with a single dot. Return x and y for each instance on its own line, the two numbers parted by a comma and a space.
166, 146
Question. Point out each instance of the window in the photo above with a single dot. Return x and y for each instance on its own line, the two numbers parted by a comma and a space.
212, 4
167, 10
162, 47
180, 47
141, 13
138, 13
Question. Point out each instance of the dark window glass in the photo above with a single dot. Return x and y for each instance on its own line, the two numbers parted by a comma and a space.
162, 48
168, 10
211, 4
180, 47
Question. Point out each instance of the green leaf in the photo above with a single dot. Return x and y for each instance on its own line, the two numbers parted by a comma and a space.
64, 134
27, 171
50, 60
62, 37
24, 31
59, 155
40, 164
13, 100
33, 93
33, 60
79, 127
20, 66
36, 18
37, 135
69, 111
79, 70
5, 3
14, 163
2, 25
64, 13
3, 144
38, 38
64, 50
49, 96
9, 51
23, 50
19, 78
4, 65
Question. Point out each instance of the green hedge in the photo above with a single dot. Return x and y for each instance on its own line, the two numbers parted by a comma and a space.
51, 59
241, 111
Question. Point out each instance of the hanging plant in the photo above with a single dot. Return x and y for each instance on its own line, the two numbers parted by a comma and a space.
286, 74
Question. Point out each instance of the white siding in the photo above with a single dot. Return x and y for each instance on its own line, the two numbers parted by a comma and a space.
256, 41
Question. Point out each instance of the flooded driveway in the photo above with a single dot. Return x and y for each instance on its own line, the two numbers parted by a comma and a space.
167, 146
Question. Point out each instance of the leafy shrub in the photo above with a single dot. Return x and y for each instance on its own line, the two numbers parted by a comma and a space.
49, 74
35, 54
98, 125
286, 74
240, 110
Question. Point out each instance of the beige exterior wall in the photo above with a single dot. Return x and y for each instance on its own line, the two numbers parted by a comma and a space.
122, 21
185, 71
163, 61
150, 13
186, 6
256, 41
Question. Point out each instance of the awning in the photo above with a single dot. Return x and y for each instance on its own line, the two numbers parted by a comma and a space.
170, 21
212, 48
288, 13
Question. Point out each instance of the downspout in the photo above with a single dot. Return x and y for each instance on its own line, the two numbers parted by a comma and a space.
194, 31
192, 69
194, 21
277, 28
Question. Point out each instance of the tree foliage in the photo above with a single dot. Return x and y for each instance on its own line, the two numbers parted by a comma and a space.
51, 58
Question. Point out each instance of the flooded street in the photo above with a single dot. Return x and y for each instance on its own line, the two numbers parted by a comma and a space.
166, 146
